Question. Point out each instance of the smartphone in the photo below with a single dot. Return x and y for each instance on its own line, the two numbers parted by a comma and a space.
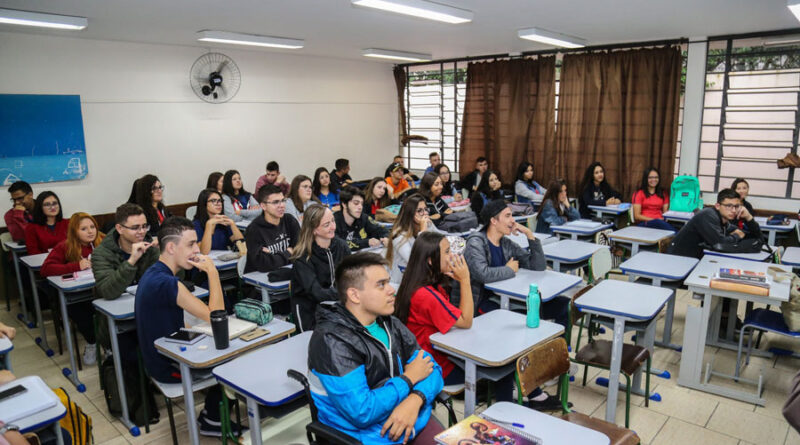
254, 334
11, 392
184, 337
68, 277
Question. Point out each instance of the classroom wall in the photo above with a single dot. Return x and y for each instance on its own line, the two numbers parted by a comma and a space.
141, 116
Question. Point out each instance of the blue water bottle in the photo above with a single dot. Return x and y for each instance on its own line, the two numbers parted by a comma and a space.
533, 302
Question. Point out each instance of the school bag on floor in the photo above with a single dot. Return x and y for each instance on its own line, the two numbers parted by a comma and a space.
135, 398
76, 423
685, 194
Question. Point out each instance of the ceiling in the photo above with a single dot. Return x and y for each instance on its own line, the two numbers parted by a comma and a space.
335, 28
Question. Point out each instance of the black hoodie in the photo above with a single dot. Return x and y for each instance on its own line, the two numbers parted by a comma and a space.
276, 238
358, 235
313, 281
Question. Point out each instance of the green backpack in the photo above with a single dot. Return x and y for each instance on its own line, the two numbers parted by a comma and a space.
685, 194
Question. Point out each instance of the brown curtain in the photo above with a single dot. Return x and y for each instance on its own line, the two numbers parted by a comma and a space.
620, 109
509, 115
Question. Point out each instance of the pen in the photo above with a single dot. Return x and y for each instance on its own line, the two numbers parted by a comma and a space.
517, 425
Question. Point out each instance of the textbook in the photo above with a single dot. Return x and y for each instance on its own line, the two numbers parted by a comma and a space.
476, 430
236, 327
738, 280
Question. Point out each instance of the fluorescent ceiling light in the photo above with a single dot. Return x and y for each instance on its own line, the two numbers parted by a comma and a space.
26, 18
551, 38
420, 8
395, 55
249, 39
794, 6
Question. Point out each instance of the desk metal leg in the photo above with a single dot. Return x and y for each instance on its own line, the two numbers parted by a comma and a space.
666, 336
57, 432
504, 301
188, 399
72, 372
574, 236
469, 385
123, 396
42, 340
556, 266
613, 376
264, 295
634, 249
24, 315
255, 421
771, 238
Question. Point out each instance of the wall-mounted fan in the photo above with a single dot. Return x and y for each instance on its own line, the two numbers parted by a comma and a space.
215, 78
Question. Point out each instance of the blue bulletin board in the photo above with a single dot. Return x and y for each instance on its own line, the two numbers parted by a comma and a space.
41, 138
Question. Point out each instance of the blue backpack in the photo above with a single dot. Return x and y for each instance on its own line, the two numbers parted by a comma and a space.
685, 194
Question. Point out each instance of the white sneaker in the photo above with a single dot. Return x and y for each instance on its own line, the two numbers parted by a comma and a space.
90, 354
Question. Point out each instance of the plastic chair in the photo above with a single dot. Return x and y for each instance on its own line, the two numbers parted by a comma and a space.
190, 212
550, 360
763, 320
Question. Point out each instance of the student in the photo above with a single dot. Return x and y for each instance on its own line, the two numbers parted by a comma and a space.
370, 379
555, 208
488, 190
148, 193
215, 181
492, 256
301, 197
20, 215
450, 187
396, 183
430, 186
48, 226
742, 187
406, 174
274, 177
526, 189
712, 225
323, 191
237, 203
72, 255
412, 219
270, 238
435, 159
314, 260
161, 300
650, 202
215, 231
352, 225
376, 199
470, 182
340, 176
595, 190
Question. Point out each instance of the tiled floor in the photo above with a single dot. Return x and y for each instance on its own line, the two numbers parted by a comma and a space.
682, 417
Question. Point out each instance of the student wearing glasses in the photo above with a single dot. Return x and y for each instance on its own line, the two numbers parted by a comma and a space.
412, 219
148, 193
48, 227
271, 238
215, 231
651, 201
20, 214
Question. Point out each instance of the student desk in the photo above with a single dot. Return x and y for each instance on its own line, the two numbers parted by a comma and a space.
639, 236
696, 329
238, 374
33, 263
5, 350
18, 249
222, 265
209, 357
261, 280
758, 256
118, 310
773, 229
47, 417
550, 429
551, 284
243, 224
678, 217
495, 339
522, 240
581, 228
624, 302
571, 252
614, 210
660, 267
791, 257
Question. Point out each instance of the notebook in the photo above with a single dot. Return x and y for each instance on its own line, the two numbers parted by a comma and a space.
36, 399
236, 327
584, 224
477, 430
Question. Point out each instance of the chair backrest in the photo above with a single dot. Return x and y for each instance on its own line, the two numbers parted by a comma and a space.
240, 265
542, 363
190, 212
778, 254
600, 264
576, 314
301, 378
5, 237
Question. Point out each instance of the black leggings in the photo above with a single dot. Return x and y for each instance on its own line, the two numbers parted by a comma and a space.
81, 313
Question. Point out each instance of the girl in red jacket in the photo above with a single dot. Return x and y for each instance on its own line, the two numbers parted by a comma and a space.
48, 227
72, 255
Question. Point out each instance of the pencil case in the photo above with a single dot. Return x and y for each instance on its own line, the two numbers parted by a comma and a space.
253, 310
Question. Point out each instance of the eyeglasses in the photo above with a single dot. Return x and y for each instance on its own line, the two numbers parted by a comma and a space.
157, 188
421, 212
142, 228
276, 202
50, 205
731, 206
20, 199
215, 201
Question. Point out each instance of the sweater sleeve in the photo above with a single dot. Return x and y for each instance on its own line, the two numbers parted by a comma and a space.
32, 240
56, 263
306, 283
551, 217
533, 259
15, 222
375, 230
520, 189
111, 278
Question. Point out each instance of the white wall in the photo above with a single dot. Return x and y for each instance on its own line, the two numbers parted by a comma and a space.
141, 116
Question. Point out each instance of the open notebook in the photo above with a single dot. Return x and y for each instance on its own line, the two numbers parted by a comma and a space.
236, 327
36, 399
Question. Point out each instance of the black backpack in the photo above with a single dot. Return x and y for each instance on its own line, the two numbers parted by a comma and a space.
135, 397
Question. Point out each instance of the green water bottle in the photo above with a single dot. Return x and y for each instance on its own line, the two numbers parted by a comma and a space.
533, 302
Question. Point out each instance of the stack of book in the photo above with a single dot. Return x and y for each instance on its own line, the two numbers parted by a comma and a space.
738, 280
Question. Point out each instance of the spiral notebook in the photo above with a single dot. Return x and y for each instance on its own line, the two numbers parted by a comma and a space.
478, 430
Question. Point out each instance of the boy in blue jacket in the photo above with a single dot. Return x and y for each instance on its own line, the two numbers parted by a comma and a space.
368, 376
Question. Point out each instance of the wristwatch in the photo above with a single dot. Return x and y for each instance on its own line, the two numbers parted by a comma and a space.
8, 427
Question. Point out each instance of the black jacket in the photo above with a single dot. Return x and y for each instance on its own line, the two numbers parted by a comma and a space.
593, 195
469, 182
313, 281
706, 229
276, 238
358, 235
479, 199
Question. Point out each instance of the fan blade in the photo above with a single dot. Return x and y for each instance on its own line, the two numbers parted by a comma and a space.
222, 65
223, 90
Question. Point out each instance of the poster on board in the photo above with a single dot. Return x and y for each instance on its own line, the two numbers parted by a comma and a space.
41, 138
